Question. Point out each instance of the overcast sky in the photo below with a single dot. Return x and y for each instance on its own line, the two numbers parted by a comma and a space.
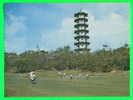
51, 25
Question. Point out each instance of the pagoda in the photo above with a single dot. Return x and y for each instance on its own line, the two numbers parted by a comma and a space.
81, 32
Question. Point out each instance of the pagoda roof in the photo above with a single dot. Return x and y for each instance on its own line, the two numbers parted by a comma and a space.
81, 43
80, 19
78, 25
81, 36
80, 13
82, 30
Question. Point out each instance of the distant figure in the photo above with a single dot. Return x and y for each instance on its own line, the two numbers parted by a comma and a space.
71, 76
32, 76
64, 75
60, 74
87, 76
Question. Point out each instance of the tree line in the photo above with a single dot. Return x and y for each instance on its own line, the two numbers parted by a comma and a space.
104, 60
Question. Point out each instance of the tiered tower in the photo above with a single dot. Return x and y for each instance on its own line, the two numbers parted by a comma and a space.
81, 32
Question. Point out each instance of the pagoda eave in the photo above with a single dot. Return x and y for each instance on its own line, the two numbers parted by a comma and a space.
81, 43
82, 36
80, 25
80, 13
78, 31
81, 19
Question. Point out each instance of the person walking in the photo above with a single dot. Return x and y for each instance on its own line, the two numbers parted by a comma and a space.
32, 76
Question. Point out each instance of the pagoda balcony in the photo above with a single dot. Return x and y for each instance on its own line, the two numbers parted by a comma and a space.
81, 30
82, 43
80, 25
82, 36
80, 13
81, 19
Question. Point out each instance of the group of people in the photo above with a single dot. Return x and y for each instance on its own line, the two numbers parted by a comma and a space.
33, 77
71, 76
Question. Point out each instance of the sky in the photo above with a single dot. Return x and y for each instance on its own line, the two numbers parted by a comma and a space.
51, 25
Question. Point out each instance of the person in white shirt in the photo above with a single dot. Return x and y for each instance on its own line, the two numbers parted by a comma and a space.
32, 76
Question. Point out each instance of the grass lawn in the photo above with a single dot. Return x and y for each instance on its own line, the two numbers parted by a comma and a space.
49, 84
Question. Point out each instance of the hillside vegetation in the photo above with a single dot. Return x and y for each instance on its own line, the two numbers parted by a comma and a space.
104, 60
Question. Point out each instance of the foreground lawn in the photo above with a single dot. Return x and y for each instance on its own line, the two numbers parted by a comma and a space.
49, 84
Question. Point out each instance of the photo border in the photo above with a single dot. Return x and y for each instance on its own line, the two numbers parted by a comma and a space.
2, 49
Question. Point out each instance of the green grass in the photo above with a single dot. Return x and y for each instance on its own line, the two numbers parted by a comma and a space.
50, 85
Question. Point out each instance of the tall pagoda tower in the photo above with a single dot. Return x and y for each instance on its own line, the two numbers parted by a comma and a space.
81, 32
